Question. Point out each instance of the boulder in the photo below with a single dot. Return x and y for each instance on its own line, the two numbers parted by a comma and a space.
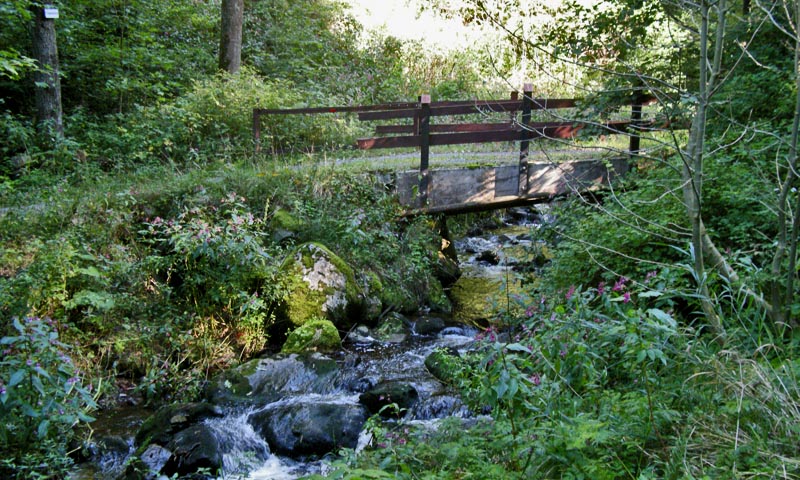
314, 335
310, 429
148, 465
429, 325
489, 256
477, 301
160, 427
444, 364
361, 334
392, 329
265, 380
193, 449
319, 284
386, 393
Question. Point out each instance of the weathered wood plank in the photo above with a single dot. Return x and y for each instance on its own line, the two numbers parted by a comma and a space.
343, 109
491, 187
552, 130
446, 127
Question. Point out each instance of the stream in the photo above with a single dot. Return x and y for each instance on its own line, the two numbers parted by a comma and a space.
366, 360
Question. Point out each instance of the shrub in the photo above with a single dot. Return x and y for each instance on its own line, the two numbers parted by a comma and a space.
42, 399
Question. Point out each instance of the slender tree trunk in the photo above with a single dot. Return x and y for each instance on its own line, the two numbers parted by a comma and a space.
48, 85
791, 176
693, 160
230, 45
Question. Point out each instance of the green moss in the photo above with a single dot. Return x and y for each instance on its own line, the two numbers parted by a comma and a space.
286, 221
374, 283
306, 300
314, 335
478, 301
444, 364
393, 324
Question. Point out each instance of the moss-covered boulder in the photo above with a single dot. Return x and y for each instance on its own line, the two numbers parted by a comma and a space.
284, 226
282, 219
444, 364
320, 284
314, 335
478, 301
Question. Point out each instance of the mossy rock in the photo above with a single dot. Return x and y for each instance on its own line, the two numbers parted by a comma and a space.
320, 284
171, 419
394, 323
478, 301
444, 364
314, 335
283, 220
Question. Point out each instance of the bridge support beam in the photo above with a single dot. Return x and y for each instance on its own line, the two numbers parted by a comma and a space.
424, 124
524, 145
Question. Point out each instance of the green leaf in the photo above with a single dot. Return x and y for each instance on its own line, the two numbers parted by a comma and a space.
90, 271
83, 417
650, 294
44, 425
662, 316
9, 340
16, 377
640, 357
517, 347
100, 300
37, 384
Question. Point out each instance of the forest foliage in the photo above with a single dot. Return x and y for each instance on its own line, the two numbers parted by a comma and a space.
142, 248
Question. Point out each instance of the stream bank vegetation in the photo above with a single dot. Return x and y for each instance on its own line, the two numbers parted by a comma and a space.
140, 251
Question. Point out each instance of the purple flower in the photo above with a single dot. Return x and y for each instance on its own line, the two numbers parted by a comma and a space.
563, 352
601, 288
626, 297
536, 379
620, 284
570, 292
529, 311
2, 390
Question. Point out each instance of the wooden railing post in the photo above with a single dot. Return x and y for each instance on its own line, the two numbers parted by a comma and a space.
527, 106
424, 128
257, 130
635, 127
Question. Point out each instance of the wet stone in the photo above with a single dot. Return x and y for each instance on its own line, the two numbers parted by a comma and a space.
387, 393
429, 325
315, 429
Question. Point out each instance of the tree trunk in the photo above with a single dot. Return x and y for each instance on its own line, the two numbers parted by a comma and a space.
693, 159
48, 85
230, 46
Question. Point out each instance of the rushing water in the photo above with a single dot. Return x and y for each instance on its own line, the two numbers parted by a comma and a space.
246, 455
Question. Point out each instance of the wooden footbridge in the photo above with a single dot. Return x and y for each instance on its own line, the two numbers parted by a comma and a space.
458, 190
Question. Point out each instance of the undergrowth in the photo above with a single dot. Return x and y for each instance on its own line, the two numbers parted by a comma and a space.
603, 382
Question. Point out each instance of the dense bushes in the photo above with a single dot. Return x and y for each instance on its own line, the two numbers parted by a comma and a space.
603, 382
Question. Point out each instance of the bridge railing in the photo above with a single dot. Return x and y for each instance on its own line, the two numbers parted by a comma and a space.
423, 134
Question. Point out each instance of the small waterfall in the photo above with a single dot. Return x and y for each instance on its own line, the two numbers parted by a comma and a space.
243, 449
